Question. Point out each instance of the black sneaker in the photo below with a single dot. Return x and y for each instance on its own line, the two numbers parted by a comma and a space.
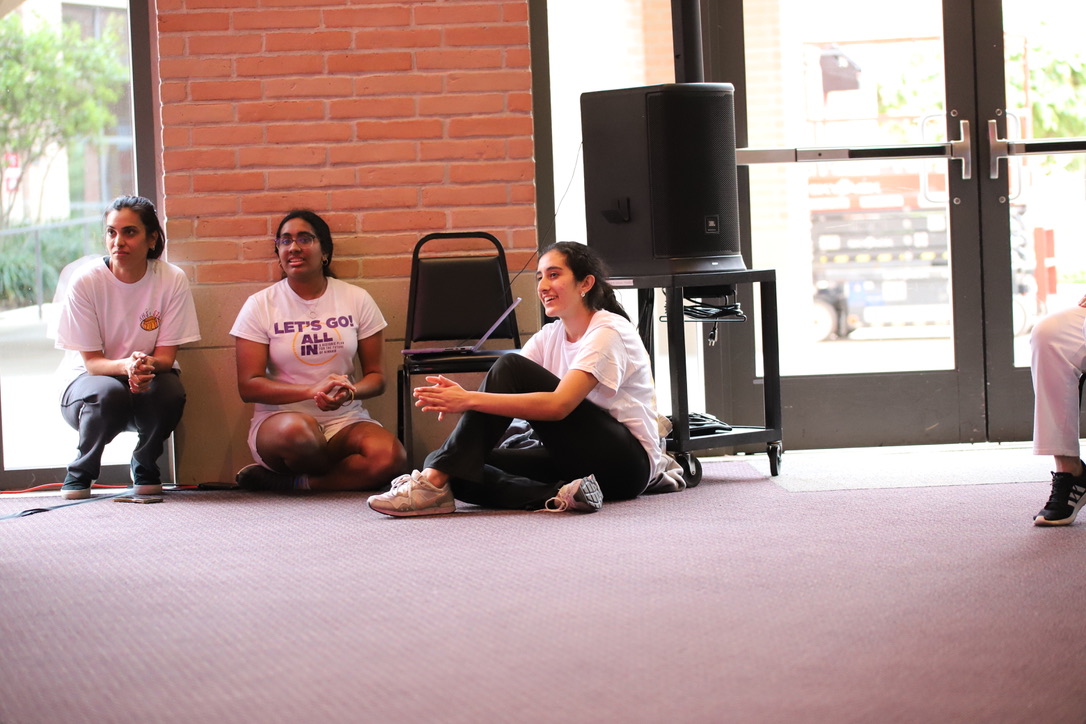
143, 487
75, 491
258, 477
1068, 495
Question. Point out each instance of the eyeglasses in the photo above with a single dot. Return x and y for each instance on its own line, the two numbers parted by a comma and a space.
303, 239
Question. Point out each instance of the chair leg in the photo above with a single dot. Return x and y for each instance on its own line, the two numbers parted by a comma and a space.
403, 423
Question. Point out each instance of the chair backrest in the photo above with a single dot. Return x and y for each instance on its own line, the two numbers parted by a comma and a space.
457, 296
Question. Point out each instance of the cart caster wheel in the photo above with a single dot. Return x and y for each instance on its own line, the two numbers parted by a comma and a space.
775, 450
691, 469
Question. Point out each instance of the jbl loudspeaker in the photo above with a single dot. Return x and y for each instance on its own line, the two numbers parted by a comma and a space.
661, 194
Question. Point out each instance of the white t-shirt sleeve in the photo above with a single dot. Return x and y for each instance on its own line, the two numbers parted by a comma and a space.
78, 328
252, 321
179, 322
370, 319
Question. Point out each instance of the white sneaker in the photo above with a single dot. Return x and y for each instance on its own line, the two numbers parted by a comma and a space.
414, 495
583, 494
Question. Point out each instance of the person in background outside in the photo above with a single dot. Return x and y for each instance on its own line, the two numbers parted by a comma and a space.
296, 344
121, 322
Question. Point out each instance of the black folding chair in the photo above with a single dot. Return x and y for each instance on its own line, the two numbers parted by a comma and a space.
454, 298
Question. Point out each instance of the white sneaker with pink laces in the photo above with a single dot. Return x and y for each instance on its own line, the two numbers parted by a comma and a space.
583, 495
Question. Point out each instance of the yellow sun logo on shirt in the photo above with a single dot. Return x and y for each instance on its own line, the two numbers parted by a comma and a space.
150, 321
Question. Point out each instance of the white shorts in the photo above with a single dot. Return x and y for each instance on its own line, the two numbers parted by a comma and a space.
330, 423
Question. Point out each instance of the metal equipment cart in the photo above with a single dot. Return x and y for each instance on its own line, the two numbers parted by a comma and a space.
678, 286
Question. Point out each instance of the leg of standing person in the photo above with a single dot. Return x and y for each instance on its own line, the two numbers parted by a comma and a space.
98, 407
1059, 357
156, 414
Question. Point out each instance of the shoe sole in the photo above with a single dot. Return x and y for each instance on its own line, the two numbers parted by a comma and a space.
147, 489
1043, 522
444, 510
1040, 519
75, 494
593, 495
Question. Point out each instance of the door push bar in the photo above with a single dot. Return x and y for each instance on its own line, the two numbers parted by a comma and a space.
1002, 148
959, 150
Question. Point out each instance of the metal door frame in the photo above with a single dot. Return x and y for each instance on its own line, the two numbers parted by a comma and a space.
846, 410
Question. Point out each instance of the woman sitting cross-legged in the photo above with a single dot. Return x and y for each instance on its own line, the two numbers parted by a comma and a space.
585, 386
296, 345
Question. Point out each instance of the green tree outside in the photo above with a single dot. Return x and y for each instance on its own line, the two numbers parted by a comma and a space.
56, 88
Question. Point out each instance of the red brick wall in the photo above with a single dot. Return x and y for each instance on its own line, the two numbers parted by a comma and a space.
389, 119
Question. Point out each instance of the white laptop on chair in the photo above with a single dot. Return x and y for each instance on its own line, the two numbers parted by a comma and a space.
463, 349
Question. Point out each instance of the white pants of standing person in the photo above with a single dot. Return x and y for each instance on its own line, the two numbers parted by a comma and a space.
1058, 342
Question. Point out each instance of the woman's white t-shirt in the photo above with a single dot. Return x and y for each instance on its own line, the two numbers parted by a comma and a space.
308, 339
611, 351
100, 313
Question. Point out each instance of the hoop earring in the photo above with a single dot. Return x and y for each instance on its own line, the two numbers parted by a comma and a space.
325, 261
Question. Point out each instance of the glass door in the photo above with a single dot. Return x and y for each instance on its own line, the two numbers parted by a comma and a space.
1032, 104
910, 272
856, 160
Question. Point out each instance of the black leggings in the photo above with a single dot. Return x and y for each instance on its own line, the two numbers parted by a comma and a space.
587, 441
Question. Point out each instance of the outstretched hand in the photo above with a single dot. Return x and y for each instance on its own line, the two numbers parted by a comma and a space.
441, 396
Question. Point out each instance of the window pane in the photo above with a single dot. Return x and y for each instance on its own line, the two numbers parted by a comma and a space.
861, 248
1046, 98
53, 197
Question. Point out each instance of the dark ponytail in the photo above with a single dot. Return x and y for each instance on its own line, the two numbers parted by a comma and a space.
582, 261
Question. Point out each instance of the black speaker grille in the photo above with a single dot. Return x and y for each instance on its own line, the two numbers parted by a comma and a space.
692, 180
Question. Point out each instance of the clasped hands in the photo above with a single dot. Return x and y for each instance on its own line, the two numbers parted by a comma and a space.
334, 392
441, 395
141, 370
